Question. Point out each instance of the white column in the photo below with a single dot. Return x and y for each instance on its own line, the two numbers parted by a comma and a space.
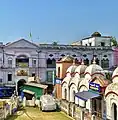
24, 101
30, 62
82, 115
16, 87
11, 109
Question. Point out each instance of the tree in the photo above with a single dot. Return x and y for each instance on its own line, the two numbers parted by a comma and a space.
55, 43
114, 42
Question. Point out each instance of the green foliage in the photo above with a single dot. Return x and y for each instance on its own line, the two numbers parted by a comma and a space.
114, 42
55, 43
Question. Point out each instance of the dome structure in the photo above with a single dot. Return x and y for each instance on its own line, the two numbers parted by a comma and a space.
113, 87
79, 71
66, 80
71, 69
94, 70
115, 75
96, 34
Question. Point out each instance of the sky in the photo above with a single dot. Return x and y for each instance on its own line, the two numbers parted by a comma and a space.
63, 21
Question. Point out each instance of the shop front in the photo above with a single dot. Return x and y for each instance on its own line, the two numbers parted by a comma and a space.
95, 96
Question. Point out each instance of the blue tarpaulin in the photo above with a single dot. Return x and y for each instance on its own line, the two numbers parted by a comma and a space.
85, 95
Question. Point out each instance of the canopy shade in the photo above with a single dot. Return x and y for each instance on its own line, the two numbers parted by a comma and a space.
85, 95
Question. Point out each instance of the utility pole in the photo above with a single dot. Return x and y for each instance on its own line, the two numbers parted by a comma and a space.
38, 51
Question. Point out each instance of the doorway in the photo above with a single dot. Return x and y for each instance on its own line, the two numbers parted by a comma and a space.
114, 111
20, 83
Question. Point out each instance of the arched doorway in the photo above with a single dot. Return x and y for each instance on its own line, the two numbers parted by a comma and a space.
65, 94
20, 83
114, 111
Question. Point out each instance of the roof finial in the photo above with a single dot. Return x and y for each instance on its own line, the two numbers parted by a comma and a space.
94, 60
73, 61
82, 63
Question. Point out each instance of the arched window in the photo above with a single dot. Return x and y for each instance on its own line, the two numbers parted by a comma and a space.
9, 62
74, 55
22, 61
86, 61
34, 62
59, 72
62, 55
114, 111
51, 55
65, 93
96, 60
105, 63
74, 96
51, 63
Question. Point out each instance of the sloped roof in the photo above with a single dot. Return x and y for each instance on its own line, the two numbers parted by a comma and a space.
101, 81
37, 85
20, 40
67, 58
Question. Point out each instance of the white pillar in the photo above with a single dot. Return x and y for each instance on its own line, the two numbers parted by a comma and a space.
30, 62
82, 115
11, 109
33, 99
24, 101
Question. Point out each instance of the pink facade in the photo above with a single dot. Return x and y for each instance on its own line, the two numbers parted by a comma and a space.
115, 56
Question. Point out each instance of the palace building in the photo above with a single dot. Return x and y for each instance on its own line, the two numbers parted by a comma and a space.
22, 59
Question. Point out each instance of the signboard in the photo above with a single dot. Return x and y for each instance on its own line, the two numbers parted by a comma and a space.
94, 87
58, 81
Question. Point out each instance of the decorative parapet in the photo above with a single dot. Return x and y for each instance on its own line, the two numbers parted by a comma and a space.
78, 47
